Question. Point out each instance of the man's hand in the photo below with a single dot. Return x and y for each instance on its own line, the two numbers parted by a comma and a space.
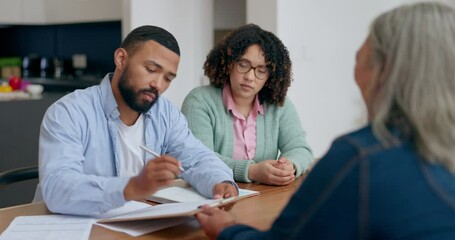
214, 220
224, 190
272, 172
157, 173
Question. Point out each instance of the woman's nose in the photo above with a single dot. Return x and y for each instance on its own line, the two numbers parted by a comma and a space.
249, 76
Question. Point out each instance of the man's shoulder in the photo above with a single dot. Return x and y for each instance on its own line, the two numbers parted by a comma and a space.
163, 102
79, 99
164, 107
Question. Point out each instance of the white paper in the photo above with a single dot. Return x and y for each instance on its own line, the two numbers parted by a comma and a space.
73, 227
178, 194
138, 228
47, 227
129, 206
246, 192
187, 194
161, 211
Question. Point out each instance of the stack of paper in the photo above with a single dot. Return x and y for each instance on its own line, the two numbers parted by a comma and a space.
182, 192
183, 202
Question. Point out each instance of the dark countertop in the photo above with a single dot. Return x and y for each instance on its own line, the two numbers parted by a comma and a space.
64, 85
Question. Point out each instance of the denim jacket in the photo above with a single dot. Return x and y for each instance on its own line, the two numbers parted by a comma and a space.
79, 156
363, 190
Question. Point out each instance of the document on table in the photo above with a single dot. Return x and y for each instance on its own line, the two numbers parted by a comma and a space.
183, 192
48, 227
161, 211
138, 228
170, 210
78, 228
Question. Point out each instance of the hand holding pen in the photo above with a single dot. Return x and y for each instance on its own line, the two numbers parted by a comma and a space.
154, 175
157, 155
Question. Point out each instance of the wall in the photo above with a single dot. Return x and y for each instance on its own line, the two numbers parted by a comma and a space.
263, 13
322, 38
191, 22
39, 12
229, 14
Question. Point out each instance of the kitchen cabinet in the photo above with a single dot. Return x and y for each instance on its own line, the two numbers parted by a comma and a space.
38, 12
10, 11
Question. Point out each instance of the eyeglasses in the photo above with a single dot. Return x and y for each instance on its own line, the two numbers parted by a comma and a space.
244, 66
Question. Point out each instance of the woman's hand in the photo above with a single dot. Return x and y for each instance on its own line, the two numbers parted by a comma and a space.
213, 220
284, 164
272, 172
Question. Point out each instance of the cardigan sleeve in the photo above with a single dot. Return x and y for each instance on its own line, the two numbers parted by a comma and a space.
203, 120
292, 139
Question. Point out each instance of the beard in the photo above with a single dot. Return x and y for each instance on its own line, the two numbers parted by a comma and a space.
132, 97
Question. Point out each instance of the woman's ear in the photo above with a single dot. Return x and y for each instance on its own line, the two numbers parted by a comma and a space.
120, 58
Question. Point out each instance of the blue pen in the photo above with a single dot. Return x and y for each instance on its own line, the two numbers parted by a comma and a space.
156, 154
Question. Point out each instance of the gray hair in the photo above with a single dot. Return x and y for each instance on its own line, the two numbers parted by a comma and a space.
414, 88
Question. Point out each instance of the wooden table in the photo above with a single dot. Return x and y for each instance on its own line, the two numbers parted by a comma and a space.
259, 211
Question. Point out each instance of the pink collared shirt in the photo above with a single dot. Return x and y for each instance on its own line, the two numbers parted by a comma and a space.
244, 128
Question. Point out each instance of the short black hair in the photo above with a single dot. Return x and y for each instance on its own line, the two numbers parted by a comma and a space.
217, 66
150, 33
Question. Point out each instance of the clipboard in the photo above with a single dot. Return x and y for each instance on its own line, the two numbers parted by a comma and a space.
170, 210
181, 191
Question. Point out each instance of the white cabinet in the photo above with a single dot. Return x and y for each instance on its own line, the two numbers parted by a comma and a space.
10, 11
59, 11
33, 11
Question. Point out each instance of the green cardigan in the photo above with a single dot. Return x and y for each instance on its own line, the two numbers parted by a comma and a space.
278, 130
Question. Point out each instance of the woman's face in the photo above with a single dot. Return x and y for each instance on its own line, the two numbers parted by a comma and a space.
364, 70
247, 85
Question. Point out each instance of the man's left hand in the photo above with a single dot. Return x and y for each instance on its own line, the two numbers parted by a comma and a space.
224, 190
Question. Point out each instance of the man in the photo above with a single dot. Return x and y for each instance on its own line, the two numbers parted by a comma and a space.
89, 152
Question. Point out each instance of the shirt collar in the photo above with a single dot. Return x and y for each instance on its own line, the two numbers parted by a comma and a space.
109, 102
230, 105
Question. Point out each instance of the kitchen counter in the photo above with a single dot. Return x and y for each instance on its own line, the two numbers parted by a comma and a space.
64, 84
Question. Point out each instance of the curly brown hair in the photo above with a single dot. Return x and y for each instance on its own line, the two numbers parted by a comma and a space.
218, 64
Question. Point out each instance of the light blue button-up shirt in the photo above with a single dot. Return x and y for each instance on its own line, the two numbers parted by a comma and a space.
79, 153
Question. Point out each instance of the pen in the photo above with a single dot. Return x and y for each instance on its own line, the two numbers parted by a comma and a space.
156, 154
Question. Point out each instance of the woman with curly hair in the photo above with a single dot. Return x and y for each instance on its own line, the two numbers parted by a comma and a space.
244, 115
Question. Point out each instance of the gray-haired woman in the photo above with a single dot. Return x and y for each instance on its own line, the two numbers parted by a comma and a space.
395, 178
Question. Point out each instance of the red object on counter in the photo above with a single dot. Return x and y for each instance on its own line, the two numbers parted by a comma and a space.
15, 82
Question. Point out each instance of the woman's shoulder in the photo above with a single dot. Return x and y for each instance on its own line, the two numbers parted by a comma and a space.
365, 141
288, 108
208, 95
205, 91
363, 136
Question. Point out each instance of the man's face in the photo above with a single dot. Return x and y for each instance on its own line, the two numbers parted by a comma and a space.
146, 75
131, 96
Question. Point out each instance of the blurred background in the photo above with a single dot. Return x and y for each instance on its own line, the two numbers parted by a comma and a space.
66, 45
